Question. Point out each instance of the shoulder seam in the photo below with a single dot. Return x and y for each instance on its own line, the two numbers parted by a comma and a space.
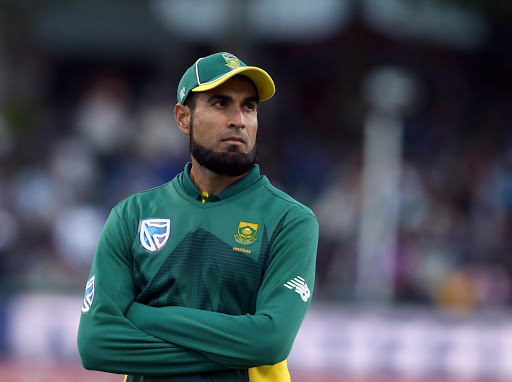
122, 223
142, 192
306, 210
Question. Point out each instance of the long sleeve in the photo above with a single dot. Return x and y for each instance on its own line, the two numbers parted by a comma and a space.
245, 341
107, 341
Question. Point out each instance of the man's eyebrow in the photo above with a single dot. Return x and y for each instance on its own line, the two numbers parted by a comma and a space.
254, 99
224, 97
219, 97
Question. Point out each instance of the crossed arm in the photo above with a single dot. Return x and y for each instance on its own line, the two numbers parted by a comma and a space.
119, 335
107, 340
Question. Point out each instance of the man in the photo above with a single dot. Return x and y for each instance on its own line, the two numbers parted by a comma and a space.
208, 277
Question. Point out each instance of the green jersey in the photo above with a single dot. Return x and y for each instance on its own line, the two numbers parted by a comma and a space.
189, 287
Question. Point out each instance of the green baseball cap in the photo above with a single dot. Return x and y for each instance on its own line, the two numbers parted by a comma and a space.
211, 71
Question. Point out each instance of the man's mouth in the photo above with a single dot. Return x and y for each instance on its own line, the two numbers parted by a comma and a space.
234, 140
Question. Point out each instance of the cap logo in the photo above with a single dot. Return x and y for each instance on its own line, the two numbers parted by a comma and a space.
182, 93
232, 61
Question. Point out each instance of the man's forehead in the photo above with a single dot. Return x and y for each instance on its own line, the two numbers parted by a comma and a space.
237, 85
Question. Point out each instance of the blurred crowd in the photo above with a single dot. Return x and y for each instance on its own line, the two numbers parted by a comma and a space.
66, 161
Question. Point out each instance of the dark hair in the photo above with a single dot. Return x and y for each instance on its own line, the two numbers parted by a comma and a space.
191, 101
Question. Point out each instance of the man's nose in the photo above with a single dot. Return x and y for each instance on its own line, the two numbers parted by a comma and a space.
237, 118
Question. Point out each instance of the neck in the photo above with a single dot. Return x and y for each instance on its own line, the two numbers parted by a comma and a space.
209, 181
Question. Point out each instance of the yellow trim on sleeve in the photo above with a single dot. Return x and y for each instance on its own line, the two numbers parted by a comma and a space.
125, 377
272, 373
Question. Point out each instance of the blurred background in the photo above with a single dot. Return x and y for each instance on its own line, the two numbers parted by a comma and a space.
392, 120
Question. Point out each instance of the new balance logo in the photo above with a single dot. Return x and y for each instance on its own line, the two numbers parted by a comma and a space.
300, 287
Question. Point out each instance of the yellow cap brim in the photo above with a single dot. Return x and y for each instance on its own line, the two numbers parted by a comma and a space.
261, 79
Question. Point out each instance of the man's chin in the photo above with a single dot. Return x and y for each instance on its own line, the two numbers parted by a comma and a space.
232, 149
235, 150
229, 163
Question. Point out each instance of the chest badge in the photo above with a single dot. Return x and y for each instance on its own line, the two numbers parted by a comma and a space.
154, 233
246, 233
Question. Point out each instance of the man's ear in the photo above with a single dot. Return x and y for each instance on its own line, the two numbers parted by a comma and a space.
182, 115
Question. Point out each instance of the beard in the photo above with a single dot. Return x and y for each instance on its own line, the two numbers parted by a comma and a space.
229, 163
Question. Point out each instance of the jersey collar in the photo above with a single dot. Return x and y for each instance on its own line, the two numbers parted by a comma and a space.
248, 180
